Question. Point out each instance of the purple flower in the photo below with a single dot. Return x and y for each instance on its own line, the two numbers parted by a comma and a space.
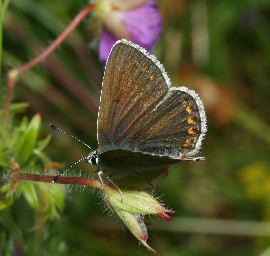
135, 20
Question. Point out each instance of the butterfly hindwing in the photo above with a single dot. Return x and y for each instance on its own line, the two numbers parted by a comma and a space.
175, 128
133, 169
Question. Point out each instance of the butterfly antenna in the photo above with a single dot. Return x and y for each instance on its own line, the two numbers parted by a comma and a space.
69, 134
70, 167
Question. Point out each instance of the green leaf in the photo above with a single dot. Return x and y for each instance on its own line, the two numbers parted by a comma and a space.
5, 188
265, 252
7, 199
23, 124
42, 144
4, 139
17, 133
53, 195
16, 107
28, 190
43, 157
8, 223
6, 202
28, 140
4, 159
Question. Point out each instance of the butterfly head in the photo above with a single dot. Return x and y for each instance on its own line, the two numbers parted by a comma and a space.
92, 158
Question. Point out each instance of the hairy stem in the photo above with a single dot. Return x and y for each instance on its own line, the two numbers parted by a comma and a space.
16, 176
77, 19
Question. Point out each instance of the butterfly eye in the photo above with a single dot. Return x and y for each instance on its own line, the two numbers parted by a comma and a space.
92, 159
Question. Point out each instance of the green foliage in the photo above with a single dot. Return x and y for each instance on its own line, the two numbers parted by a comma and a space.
27, 136
20, 144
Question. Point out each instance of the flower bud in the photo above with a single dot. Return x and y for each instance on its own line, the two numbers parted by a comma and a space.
134, 201
130, 206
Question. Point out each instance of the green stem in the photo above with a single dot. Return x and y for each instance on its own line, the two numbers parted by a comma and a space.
77, 19
5, 5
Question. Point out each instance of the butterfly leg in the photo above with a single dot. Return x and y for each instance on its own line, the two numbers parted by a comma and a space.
99, 173
111, 181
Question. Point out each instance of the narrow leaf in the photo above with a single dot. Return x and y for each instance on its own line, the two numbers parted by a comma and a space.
28, 141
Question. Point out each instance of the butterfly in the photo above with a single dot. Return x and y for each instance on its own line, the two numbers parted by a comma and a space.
144, 124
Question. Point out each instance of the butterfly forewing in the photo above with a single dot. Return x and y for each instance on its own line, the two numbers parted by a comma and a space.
128, 92
139, 111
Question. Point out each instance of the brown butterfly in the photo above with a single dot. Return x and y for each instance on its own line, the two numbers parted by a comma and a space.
144, 125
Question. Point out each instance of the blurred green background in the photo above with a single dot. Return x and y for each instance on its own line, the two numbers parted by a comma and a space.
221, 49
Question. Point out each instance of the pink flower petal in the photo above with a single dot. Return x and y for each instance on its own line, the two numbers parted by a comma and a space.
107, 41
142, 23
164, 216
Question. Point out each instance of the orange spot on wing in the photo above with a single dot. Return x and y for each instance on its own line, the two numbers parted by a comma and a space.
143, 69
187, 141
188, 110
191, 132
151, 77
137, 63
184, 102
190, 121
